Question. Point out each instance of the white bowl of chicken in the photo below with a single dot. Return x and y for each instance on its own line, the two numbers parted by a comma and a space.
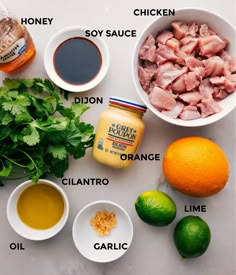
184, 67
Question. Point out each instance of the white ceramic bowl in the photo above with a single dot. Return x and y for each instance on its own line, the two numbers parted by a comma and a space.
220, 25
85, 237
60, 37
26, 231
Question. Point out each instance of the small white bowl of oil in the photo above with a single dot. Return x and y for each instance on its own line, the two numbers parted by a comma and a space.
37, 211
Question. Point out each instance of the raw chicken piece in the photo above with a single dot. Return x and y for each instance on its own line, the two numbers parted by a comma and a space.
164, 54
173, 44
145, 77
213, 66
161, 99
192, 29
167, 73
164, 37
179, 86
217, 80
190, 113
192, 97
199, 72
230, 83
151, 86
228, 69
151, 54
148, 49
229, 63
205, 31
184, 70
209, 106
174, 113
149, 41
191, 81
177, 66
180, 29
181, 57
189, 47
187, 39
192, 63
206, 89
149, 65
225, 56
219, 93
210, 45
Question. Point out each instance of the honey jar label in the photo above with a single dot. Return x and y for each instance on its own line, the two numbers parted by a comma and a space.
12, 43
13, 51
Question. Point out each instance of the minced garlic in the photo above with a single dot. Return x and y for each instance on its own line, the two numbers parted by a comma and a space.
103, 222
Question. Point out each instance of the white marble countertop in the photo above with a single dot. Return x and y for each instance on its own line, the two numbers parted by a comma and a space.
152, 251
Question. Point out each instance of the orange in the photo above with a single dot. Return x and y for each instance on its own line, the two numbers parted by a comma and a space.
196, 166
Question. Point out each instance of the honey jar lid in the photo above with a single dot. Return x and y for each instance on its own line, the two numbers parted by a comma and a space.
127, 103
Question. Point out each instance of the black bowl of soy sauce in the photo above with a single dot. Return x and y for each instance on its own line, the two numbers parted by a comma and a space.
74, 62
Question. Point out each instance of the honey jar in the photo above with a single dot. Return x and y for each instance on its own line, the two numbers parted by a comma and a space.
16, 45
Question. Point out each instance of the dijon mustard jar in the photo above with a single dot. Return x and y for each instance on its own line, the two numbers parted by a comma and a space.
119, 132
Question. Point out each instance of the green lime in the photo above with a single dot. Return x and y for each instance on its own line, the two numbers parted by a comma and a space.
155, 208
192, 236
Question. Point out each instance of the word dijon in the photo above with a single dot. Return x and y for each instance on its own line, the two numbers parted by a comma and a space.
140, 156
86, 100
85, 181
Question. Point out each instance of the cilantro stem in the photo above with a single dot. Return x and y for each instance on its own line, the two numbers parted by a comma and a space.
34, 116
29, 158
16, 163
2, 163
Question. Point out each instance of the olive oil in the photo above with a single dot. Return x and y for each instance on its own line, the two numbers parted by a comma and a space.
40, 206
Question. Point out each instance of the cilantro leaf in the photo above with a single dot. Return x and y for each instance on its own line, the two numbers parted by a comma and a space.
30, 135
27, 82
7, 118
59, 166
3, 91
11, 83
5, 132
16, 106
86, 130
35, 176
43, 107
37, 132
79, 108
23, 118
66, 112
58, 151
6, 168
13, 94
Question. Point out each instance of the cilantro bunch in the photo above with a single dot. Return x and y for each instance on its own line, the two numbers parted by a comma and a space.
38, 133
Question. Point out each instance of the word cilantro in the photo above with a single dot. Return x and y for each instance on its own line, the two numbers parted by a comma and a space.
38, 133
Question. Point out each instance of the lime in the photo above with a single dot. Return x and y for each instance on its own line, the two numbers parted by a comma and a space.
155, 208
192, 236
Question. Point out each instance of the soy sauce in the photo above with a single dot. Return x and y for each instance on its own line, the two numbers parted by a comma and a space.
77, 60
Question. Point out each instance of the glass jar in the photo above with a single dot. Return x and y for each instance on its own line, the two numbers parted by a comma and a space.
16, 45
120, 130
